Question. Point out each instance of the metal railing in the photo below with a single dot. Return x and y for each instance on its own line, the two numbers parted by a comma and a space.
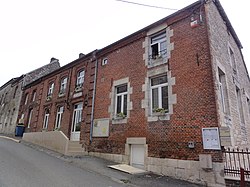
236, 161
160, 54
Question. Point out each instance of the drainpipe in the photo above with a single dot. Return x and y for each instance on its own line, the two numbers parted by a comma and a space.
93, 102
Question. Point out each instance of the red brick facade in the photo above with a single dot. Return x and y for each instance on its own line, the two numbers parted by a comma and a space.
195, 108
67, 100
190, 82
152, 93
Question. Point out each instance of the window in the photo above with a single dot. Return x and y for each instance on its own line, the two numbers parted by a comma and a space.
248, 105
80, 78
12, 117
59, 117
26, 99
104, 61
158, 46
34, 96
159, 93
51, 88
30, 117
63, 85
1, 100
239, 103
121, 100
14, 95
221, 89
232, 60
46, 119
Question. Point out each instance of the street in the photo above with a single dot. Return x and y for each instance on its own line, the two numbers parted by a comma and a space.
28, 165
22, 166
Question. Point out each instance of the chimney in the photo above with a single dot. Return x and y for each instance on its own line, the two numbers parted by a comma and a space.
81, 55
52, 60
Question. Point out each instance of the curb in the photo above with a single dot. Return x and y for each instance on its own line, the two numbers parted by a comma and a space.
9, 138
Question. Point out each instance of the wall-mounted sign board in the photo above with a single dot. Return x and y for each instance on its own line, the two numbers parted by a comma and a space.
101, 128
211, 139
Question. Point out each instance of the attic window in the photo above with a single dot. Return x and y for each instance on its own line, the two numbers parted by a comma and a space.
104, 61
158, 46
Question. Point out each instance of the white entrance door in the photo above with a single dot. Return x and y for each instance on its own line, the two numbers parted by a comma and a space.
76, 122
137, 156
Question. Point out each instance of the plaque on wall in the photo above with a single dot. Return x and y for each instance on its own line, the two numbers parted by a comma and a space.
211, 139
101, 128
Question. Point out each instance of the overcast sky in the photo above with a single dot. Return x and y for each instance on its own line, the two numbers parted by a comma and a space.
32, 31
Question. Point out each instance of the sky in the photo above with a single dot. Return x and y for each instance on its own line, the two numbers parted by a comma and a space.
32, 32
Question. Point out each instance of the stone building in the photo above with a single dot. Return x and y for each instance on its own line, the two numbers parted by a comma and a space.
166, 98
11, 93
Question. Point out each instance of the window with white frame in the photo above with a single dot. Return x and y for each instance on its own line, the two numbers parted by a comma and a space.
34, 96
121, 100
59, 117
51, 89
26, 99
80, 78
159, 94
63, 85
30, 117
104, 61
158, 46
46, 119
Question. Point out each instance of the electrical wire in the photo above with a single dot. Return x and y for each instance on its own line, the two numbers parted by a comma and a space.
172, 9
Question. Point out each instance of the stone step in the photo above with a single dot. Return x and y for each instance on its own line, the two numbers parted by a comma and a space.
75, 144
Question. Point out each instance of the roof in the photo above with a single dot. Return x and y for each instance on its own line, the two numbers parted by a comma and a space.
145, 29
228, 23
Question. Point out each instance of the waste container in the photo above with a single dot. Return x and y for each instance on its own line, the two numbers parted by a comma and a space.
19, 130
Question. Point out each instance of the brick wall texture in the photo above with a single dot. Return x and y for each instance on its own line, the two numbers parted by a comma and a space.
191, 65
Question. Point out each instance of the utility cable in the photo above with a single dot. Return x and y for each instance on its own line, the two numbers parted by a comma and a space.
172, 9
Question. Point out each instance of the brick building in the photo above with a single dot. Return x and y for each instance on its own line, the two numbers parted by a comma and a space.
11, 93
51, 102
165, 99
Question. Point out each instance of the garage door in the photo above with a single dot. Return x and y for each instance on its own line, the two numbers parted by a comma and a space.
137, 156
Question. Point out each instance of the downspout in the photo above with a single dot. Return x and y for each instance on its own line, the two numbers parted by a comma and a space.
93, 102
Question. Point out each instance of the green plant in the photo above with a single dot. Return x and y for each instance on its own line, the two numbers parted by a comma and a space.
160, 110
121, 115
57, 129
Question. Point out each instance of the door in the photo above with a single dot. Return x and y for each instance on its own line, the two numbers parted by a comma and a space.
76, 122
137, 156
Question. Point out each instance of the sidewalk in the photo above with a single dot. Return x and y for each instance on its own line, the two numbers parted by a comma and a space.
100, 166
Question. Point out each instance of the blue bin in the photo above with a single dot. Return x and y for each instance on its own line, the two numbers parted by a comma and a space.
19, 130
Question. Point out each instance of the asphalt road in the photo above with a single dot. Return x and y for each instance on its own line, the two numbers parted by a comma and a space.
22, 166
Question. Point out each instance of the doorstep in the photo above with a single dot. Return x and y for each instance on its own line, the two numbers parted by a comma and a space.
127, 169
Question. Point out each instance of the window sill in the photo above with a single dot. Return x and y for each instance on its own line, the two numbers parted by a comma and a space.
159, 117
119, 120
78, 88
61, 94
157, 62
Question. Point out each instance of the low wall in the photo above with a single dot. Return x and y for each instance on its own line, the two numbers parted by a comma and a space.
187, 170
54, 140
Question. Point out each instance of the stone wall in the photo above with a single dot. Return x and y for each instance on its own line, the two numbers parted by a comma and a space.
221, 42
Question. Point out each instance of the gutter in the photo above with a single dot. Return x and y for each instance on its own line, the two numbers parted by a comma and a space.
93, 102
